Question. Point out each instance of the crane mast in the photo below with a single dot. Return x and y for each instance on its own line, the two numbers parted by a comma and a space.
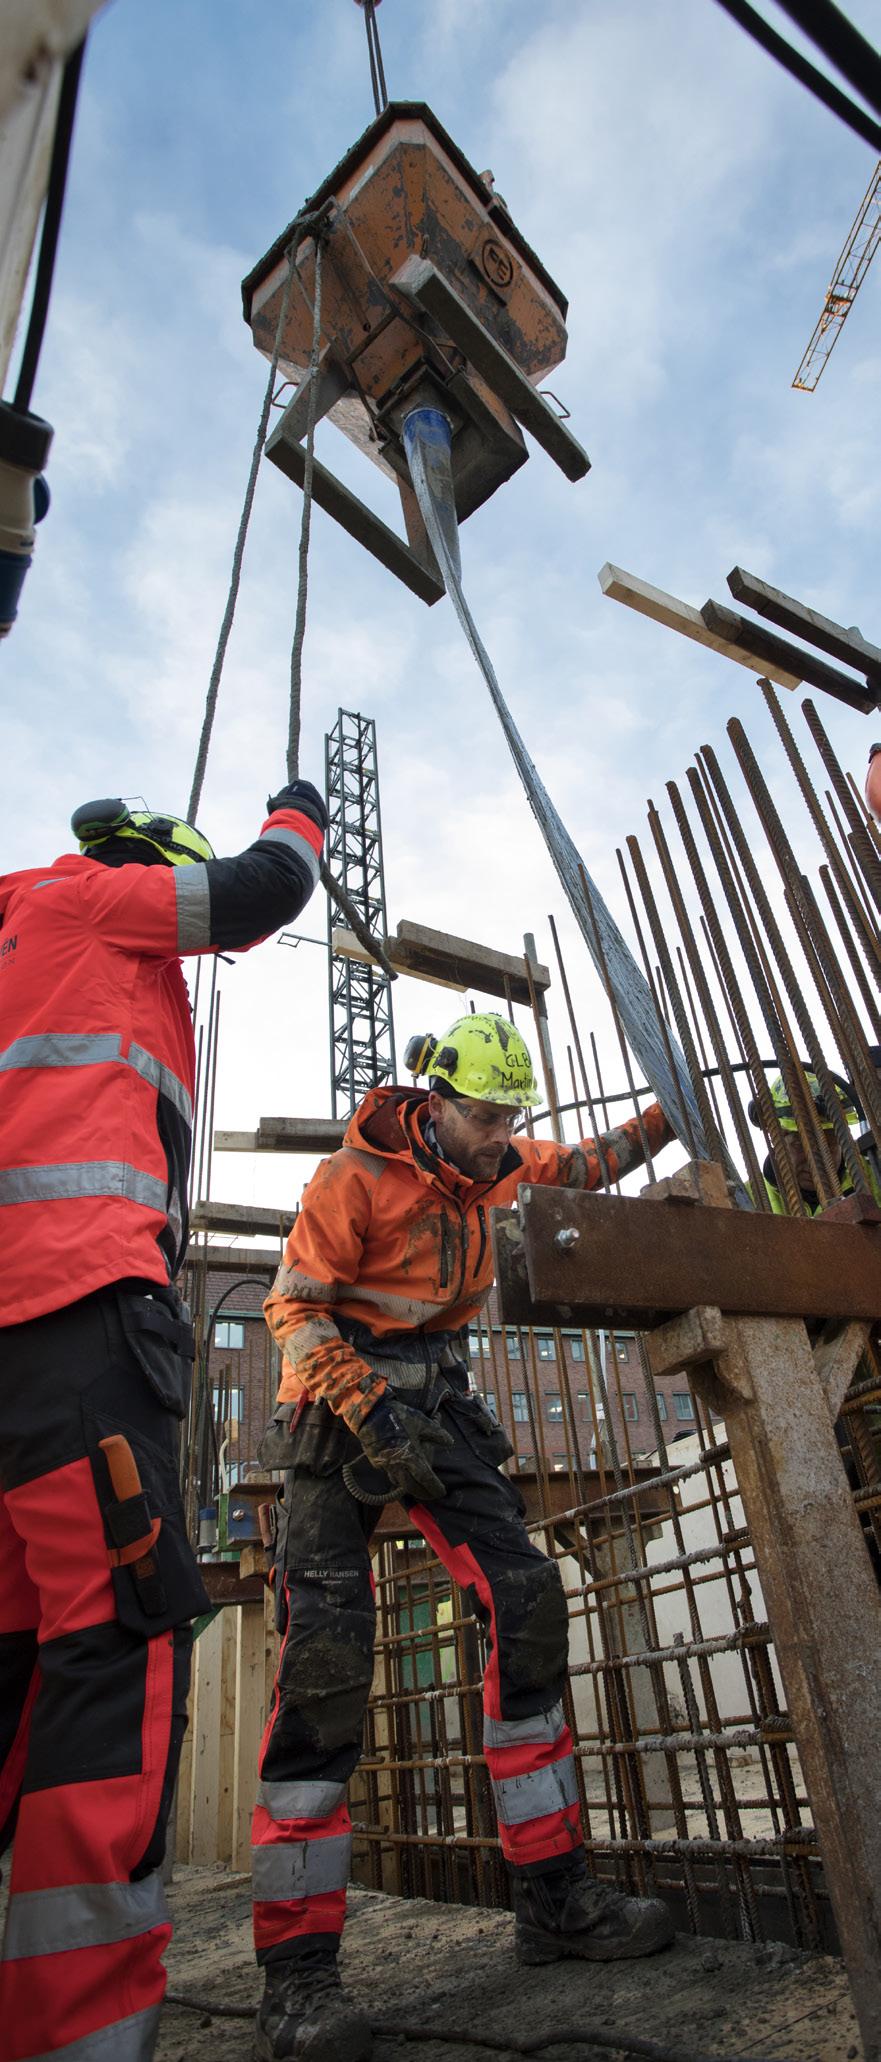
850, 272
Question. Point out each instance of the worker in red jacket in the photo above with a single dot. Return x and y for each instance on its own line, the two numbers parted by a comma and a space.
98, 1583
388, 1263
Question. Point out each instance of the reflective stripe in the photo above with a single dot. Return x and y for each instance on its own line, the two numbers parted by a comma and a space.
524, 1732
82, 1178
577, 1175
51, 1922
278, 836
193, 907
61, 1049
409, 1307
519, 1798
300, 1868
301, 1344
303, 1288
300, 1800
126, 2040
98, 1049
161, 1078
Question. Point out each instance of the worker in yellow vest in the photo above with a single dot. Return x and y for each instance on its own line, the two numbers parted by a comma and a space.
797, 1153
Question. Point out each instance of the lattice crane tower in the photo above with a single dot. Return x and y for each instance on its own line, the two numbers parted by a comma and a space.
850, 272
362, 1037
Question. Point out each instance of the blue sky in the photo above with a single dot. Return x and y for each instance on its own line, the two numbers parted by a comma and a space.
691, 200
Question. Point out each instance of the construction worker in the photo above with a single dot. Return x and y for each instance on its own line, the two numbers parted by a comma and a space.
388, 1262
798, 1158
98, 1583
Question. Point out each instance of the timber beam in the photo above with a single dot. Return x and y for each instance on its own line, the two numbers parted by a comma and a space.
283, 1135
241, 1220
460, 963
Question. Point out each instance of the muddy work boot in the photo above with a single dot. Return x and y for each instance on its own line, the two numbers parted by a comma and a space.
305, 2015
568, 1913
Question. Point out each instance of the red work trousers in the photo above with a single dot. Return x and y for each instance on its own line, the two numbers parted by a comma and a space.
94, 1667
302, 1830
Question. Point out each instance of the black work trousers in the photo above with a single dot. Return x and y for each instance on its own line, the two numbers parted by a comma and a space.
302, 1831
96, 1594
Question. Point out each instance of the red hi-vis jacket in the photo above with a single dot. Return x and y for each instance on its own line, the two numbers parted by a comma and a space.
97, 1063
392, 1237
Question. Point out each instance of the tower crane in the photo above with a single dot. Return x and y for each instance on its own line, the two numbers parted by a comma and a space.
850, 271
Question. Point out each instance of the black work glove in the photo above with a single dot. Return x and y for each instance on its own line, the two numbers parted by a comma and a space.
300, 794
395, 1439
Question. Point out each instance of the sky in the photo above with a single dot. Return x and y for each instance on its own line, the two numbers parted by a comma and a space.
691, 200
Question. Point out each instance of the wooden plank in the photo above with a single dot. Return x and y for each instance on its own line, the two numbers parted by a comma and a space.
245, 1219
272, 1136
205, 1781
226, 1742
346, 946
771, 650
238, 1259
448, 961
249, 1721
850, 646
679, 615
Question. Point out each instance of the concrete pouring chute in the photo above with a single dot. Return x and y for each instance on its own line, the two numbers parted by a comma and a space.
430, 297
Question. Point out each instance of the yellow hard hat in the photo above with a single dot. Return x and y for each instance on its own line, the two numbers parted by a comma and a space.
481, 1056
785, 1115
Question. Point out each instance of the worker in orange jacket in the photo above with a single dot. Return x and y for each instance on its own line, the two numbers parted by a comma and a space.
98, 1581
388, 1262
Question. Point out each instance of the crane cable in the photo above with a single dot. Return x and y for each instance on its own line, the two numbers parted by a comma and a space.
374, 52
304, 224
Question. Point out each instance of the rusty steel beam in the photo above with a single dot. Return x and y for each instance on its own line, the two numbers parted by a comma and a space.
569, 1257
821, 1595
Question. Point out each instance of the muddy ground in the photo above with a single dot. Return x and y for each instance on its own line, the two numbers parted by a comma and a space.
451, 1968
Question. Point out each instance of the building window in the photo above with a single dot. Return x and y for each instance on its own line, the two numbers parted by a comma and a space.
490, 1400
662, 1405
513, 1341
229, 1401
518, 1400
576, 1348
584, 1399
555, 1407
524, 1460
545, 1346
631, 1407
682, 1404
229, 1332
622, 1349
478, 1342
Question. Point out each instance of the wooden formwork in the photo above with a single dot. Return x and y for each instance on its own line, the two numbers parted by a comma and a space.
234, 1662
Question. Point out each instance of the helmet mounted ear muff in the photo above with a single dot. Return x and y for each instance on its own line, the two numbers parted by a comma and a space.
177, 843
420, 1052
99, 820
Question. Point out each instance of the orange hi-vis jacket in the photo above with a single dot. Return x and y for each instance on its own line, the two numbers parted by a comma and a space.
394, 1238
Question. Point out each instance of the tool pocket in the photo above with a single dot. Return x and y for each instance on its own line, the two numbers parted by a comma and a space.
162, 1342
320, 1441
156, 1581
485, 1436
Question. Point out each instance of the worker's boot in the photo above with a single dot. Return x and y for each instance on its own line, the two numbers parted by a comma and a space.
305, 2015
566, 1912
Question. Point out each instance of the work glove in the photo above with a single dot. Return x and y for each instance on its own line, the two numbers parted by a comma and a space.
300, 794
395, 1439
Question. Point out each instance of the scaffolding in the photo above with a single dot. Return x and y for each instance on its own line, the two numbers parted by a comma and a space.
362, 1038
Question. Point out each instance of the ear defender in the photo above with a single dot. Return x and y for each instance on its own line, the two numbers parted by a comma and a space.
420, 1052
99, 819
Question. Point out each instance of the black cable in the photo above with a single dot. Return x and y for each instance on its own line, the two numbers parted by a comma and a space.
374, 52
51, 225
850, 52
807, 74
